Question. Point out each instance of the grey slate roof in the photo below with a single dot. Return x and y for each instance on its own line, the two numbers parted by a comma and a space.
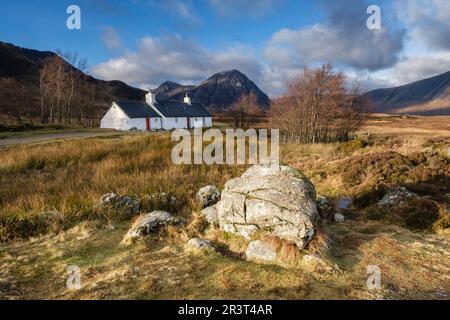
179, 109
136, 109
170, 109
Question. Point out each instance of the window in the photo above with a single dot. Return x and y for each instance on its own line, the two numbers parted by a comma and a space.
176, 120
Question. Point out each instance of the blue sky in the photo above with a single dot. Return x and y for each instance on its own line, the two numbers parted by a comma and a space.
144, 42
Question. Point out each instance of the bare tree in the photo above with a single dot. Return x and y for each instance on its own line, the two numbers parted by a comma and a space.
244, 109
318, 107
43, 88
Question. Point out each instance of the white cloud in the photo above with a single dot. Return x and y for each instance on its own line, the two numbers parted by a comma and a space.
415, 68
178, 59
428, 21
343, 39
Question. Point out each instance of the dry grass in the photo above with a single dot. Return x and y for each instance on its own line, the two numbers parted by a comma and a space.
48, 192
69, 177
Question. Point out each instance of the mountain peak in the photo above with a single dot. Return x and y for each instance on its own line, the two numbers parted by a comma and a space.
228, 73
217, 93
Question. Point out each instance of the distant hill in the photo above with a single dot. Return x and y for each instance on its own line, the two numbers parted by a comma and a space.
24, 66
425, 97
217, 93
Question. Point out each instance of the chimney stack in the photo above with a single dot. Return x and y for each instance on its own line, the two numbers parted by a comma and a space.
187, 99
150, 98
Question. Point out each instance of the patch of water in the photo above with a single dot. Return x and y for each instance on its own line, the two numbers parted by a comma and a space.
344, 203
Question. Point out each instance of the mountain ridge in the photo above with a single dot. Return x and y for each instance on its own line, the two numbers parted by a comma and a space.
216, 93
429, 96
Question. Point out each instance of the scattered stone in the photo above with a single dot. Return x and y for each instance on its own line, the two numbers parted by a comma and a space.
447, 197
200, 244
126, 204
210, 215
273, 200
396, 197
325, 207
148, 224
339, 217
315, 262
208, 196
259, 251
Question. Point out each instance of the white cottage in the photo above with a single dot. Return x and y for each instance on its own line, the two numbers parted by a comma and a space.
156, 115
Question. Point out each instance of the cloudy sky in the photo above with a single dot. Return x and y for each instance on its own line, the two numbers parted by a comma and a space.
145, 42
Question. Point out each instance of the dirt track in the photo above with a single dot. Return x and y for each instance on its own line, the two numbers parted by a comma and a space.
44, 137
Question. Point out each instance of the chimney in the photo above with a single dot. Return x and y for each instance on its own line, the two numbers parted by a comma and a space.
150, 97
187, 100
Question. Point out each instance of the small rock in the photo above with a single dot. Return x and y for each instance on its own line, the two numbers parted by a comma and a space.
325, 207
447, 197
208, 196
258, 251
339, 217
396, 197
210, 215
200, 244
149, 224
128, 205
315, 262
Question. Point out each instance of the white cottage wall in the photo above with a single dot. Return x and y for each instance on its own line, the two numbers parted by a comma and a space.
115, 118
175, 123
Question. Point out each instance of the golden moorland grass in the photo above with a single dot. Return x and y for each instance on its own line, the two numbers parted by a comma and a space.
48, 221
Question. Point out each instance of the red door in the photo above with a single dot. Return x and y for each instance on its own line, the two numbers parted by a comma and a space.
147, 123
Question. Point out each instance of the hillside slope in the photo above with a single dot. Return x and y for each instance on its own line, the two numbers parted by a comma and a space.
425, 97
24, 65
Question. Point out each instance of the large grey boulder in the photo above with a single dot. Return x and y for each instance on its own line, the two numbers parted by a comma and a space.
126, 204
259, 251
208, 196
396, 197
148, 224
273, 200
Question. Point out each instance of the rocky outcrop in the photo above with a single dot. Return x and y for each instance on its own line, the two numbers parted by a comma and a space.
125, 204
396, 197
208, 196
271, 200
149, 224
